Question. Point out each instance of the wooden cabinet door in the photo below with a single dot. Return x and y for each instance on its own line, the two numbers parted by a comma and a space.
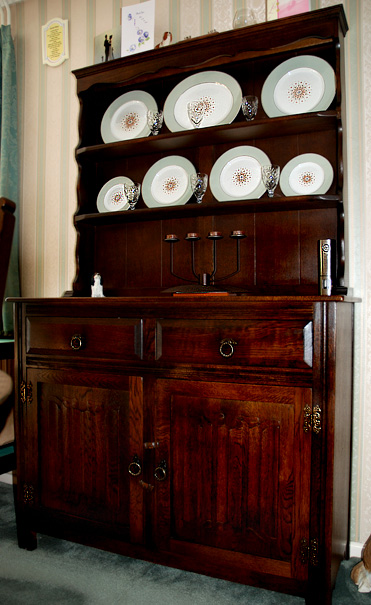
237, 490
81, 430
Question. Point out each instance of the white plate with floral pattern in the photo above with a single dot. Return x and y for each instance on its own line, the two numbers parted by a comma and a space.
111, 197
299, 85
126, 117
307, 174
236, 174
167, 182
220, 92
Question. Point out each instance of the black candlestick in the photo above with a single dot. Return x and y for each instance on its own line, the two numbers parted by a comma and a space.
204, 279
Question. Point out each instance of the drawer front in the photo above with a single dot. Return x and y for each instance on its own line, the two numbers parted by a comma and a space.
104, 338
239, 343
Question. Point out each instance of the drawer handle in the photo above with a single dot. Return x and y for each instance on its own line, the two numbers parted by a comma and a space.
77, 342
161, 471
135, 467
226, 348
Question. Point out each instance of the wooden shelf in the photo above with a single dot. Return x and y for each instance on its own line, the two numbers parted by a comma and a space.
226, 133
264, 204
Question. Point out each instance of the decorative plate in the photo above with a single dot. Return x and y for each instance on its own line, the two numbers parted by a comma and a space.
126, 117
167, 182
221, 93
299, 85
112, 195
307, 174
236, 174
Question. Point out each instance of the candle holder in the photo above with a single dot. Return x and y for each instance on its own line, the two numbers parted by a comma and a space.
205, 281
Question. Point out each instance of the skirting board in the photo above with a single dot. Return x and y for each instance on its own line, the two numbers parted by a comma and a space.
355, 549
7, 478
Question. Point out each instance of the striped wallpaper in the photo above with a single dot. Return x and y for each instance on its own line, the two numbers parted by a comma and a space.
48, 111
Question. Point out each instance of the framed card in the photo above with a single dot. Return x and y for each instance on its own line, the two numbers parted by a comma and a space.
277, 9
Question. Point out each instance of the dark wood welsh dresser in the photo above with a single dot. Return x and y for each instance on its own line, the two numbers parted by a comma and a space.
207, 429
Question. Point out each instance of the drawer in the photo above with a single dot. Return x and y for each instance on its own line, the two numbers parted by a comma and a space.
104, 338
235, 342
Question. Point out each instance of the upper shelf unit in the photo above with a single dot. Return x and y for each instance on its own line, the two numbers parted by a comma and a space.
271, 39
249, 56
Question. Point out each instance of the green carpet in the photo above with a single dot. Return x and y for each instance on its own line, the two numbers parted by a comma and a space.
63, 573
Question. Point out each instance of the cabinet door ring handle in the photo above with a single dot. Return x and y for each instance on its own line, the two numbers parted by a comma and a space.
135, 466
226, 348
161, 471
77, 342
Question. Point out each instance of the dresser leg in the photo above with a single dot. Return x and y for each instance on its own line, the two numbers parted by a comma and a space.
27, 539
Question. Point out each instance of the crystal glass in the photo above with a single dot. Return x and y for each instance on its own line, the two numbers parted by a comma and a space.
155, 120
249, 107
199, 185
243, 17
196, 112
132, 192
270, 178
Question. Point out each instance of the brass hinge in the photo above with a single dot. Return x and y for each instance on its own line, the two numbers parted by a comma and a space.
309, 551
26, 393
28, 493
312, 421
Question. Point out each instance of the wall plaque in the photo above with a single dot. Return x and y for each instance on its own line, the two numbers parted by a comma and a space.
55, 42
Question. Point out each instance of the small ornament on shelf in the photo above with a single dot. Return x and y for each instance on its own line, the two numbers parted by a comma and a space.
97, 287
167, 39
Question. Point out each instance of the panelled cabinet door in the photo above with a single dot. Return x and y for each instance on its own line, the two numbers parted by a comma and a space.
81, 431
238, 479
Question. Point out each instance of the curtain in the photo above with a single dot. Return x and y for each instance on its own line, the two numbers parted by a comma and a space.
9, 175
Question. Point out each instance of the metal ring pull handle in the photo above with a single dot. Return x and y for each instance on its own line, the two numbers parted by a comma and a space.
135, 467
226, 348
161, 471
77, 342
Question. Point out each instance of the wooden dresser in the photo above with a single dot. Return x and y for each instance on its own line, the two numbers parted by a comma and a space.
206, 432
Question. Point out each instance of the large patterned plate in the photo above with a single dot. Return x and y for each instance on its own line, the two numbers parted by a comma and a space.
306, 174
112, 196
167, 182
299, 85
126, 117
236, 174
220, 92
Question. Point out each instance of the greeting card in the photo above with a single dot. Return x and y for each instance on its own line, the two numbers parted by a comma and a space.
138, 28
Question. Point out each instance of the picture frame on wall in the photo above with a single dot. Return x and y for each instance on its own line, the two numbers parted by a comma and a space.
278, 9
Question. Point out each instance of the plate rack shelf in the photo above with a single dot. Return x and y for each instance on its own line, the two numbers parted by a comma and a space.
190, 210
291, 225
230, 133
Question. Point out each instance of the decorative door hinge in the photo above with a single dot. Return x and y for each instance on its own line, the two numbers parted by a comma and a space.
26, 393
28, 493
309, 552
22, 392
312, 421
313, 552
